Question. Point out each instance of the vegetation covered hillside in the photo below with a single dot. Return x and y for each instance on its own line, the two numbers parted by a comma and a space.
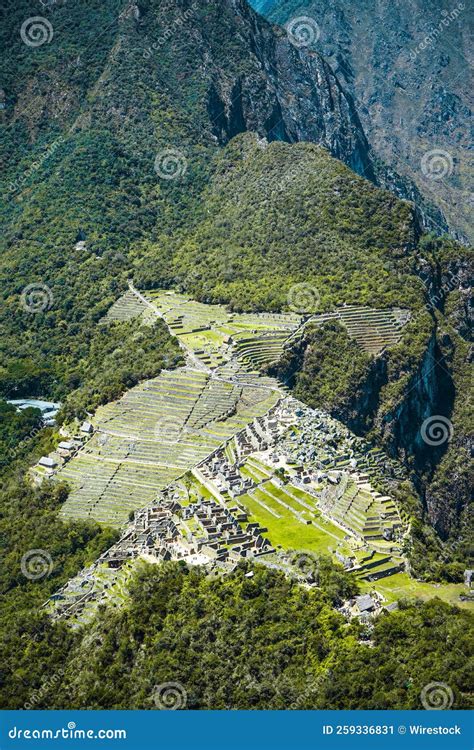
113, 101
38, 553
278, 215
191, 145
187, 640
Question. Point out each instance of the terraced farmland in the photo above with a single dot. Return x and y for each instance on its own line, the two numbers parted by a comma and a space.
155, 433
297, 519
366, 513
164, 427
128, 307
290, 514
257, 351
374, 330
211, 330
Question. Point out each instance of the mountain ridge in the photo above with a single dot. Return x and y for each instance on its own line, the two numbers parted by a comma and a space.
407, 68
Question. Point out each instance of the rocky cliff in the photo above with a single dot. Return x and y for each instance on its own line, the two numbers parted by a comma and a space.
204, 71
179, 73
407, 66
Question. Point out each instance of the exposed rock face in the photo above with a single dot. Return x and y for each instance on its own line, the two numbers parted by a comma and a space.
430, 392
275, 88
202, 72
407, 66
292, 94
221, 69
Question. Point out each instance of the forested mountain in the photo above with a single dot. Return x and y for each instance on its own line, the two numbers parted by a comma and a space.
407, 66
193, 145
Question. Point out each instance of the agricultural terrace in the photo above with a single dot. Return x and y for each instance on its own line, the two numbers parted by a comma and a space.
291, 512
127, 307
165, 431
155, 433
214, 334
374, 330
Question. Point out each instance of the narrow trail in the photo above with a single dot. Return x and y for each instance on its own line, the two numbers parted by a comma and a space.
191, 357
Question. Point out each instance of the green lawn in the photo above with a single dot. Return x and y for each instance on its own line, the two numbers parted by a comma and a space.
401, 585
287, 531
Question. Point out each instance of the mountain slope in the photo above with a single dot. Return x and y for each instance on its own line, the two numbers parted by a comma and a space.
281, 225
93, 121
407, 67
114, 138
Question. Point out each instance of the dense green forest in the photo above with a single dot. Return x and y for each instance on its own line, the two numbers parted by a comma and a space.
237, 642
34, 541
16, 427
275, 215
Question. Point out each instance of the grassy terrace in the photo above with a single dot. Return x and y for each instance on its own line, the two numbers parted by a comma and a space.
365, 512
400, 586
373, 330
154, 434
128, 307
323, 537
204, 329
257, 351
285, 530
294, 518
289, 513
